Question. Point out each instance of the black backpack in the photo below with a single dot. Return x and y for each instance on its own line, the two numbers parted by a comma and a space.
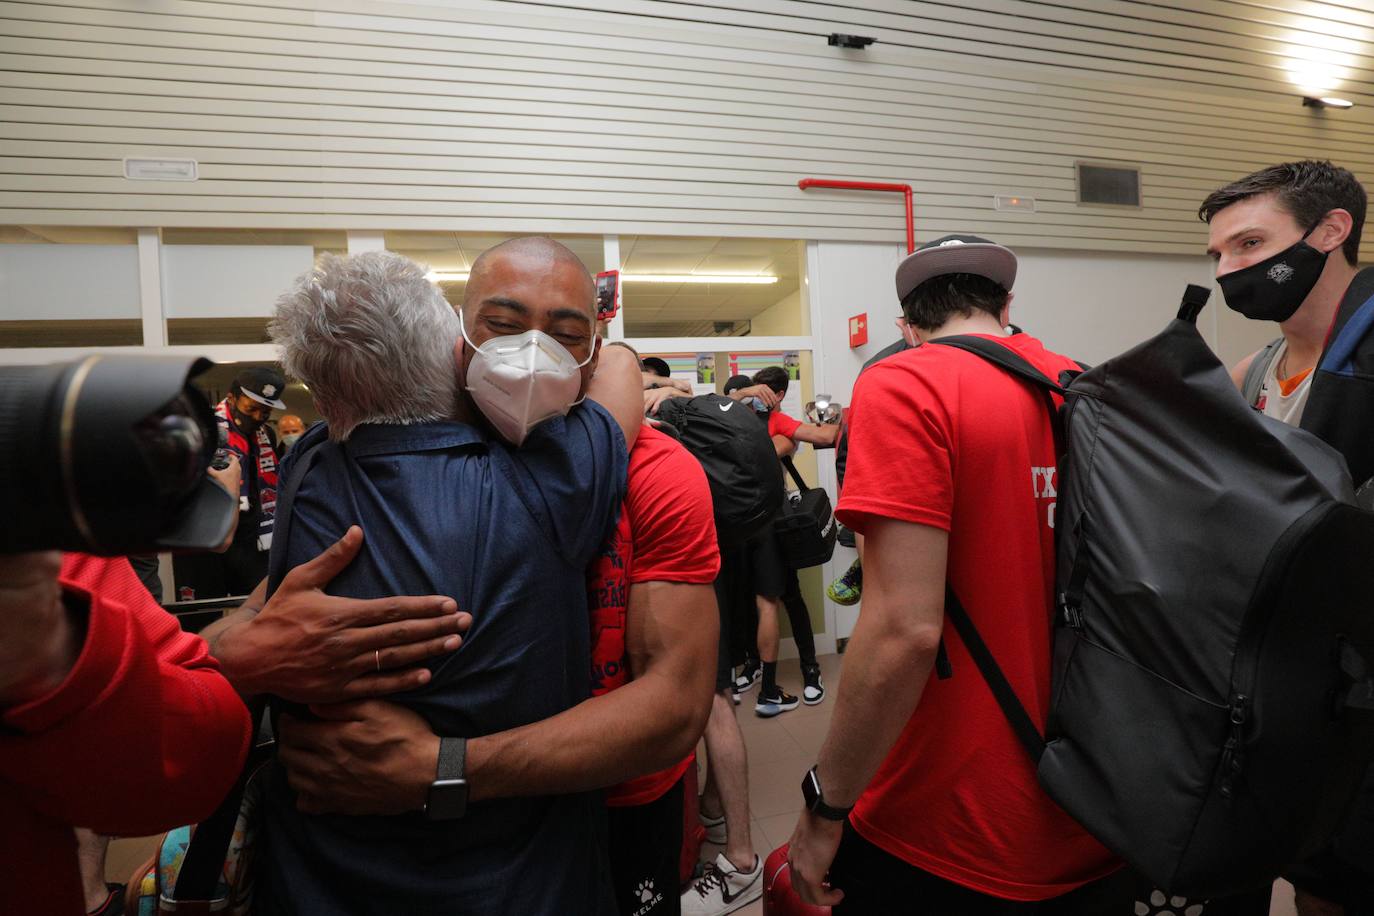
1212, 709
738, 456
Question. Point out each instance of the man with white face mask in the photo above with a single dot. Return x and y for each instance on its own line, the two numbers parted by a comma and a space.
651, 616
428, 468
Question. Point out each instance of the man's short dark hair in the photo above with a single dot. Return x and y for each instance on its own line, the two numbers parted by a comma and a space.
736, 382
656, 366
774, 377
1307, 190
937, 300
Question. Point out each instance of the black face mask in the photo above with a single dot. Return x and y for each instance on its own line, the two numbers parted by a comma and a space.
1273, 289
248, 424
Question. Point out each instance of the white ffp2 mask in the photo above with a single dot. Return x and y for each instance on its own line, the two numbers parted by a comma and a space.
520, 380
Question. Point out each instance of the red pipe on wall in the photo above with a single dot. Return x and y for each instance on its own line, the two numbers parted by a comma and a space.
870, 186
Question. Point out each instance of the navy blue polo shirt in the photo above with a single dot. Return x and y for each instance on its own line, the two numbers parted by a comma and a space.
507, 534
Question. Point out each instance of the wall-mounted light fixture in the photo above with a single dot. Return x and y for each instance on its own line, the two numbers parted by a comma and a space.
840, 40
1326, 101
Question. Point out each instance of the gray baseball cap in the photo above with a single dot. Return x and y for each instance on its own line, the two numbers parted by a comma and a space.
956, 254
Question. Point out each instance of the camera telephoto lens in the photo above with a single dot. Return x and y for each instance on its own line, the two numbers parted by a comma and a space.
173, 445
107, 455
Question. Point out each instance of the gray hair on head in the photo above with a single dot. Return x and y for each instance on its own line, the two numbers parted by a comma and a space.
372, 338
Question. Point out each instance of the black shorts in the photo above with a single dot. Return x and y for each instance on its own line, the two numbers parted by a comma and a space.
732, 593
769, 571
645, 844
875, 881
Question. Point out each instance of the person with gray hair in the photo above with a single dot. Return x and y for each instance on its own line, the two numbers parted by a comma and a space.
429, 467
372, 338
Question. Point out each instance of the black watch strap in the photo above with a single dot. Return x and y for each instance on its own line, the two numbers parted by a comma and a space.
453, 753
815, 799
448, 793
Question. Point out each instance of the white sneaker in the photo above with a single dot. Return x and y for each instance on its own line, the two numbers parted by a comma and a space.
723, 888
715, 828
814, 691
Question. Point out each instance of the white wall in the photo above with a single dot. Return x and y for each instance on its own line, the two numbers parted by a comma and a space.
68, 282
641, 117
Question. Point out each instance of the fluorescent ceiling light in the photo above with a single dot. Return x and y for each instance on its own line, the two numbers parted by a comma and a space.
461, 276
697, 278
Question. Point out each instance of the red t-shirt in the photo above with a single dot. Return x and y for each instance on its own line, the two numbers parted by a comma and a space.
666, 533
941, 438
143, 735
780, 424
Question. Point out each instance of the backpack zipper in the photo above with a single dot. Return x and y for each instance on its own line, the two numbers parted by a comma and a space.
1233, 755
1253, 630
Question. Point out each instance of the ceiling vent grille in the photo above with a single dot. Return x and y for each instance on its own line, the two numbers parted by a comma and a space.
1113, 185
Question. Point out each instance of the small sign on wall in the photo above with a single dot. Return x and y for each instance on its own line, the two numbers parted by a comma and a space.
858, 330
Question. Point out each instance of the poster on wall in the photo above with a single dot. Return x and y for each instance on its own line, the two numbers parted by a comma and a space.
749, 363
697, 369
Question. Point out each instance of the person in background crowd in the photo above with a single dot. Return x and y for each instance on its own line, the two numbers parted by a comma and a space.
773, 579
92, 670
735, 877
1286, 241
658, 375
289, 429
921, 790
255, 393
656, 367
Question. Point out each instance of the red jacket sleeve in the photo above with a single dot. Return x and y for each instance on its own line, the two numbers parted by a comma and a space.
144, 734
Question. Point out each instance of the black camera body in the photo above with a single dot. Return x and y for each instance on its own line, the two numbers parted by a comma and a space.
107, 455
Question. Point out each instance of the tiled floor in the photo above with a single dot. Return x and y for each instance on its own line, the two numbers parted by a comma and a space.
781, 750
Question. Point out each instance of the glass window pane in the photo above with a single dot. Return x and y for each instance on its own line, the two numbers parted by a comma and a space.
69, 287
221, 285
712, 287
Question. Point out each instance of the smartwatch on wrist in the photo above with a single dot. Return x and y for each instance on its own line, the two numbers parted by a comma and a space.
815, 801
448, 793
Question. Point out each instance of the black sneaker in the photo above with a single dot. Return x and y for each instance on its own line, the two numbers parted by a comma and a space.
814, 691
749, 675
771, 704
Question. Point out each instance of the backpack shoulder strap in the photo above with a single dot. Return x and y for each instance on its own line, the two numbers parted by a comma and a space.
1254, 373
1017, 717
795, 474
1001, 356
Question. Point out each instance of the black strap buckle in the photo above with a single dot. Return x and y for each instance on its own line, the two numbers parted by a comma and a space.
1070, 612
